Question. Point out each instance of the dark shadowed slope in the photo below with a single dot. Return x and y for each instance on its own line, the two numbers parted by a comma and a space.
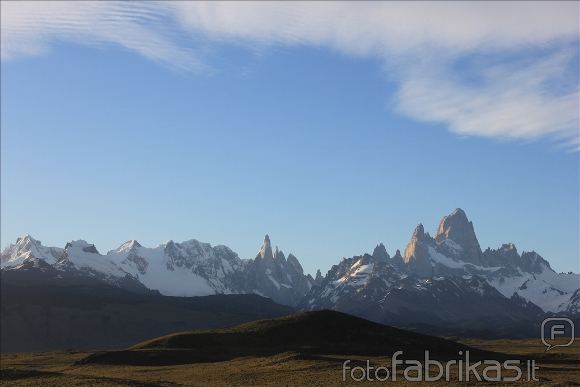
320, 332
41, 313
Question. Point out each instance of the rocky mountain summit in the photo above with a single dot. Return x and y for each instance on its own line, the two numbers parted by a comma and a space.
456, 237
271, 273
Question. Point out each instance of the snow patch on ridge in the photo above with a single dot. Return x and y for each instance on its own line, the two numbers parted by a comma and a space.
548, 290
79, 253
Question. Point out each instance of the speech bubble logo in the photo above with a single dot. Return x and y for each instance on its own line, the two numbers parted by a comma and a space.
557, 328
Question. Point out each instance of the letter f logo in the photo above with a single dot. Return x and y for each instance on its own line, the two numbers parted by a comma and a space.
556, 330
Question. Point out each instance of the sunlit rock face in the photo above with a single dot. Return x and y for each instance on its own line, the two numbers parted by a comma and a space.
456, 237
416, 257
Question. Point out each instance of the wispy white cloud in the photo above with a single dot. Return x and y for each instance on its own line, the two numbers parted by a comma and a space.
519, 100
30, 28
420, 44
381, 28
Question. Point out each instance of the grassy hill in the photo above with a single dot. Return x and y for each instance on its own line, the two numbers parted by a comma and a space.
310, 333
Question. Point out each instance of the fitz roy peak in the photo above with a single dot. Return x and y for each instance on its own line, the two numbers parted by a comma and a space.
189, 268
455, 251
456, 237
446, 280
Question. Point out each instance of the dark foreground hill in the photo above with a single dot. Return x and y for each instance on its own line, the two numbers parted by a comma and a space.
39, 313
310, 333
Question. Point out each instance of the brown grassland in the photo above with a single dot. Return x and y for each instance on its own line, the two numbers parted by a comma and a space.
561, 366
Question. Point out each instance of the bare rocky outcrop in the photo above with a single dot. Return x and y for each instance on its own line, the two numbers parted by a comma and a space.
273, 275
416, 256
380, 253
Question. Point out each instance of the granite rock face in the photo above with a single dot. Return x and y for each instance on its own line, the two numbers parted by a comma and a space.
456, 237
417, 253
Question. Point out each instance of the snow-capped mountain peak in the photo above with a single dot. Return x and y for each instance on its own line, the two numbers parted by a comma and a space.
128, 246
26, 247
81, 255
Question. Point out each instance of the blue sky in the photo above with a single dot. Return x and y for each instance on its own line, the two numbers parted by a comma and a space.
328, 146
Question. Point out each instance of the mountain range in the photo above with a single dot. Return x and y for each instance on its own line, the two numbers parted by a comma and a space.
185, 269
446, 282
449, 283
